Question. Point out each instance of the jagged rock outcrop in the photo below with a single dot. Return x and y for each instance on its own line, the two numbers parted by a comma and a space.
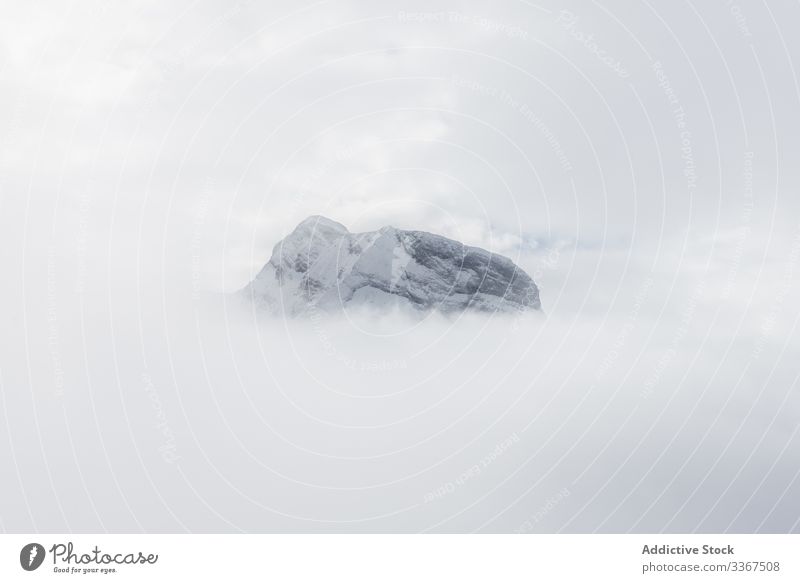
321, 265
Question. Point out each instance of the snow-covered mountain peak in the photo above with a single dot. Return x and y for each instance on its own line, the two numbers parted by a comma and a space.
320, 223
322, 265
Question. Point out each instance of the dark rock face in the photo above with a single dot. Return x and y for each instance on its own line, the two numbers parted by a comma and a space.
472, 272
322, 265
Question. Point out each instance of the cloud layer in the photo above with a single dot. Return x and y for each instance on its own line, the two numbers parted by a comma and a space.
638, 161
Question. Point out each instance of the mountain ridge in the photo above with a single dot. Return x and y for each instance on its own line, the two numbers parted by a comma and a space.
322, 265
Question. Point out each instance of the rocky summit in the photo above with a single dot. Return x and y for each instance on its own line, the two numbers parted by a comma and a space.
323, 266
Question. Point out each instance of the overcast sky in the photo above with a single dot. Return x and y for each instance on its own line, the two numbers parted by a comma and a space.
640, 160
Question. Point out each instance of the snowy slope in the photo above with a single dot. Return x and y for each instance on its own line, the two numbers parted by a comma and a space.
321, 265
